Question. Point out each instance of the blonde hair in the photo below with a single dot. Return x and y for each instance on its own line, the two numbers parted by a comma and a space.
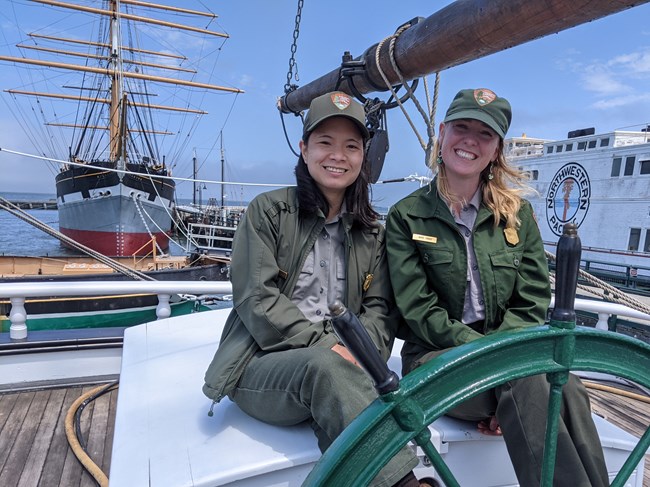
502, 194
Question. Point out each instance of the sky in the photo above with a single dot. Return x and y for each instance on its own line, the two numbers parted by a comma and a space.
593, 75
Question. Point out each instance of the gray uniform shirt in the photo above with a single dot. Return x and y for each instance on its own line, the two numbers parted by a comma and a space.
322, 279
474, 307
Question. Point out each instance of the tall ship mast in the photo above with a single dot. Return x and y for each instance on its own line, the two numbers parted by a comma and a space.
114, 191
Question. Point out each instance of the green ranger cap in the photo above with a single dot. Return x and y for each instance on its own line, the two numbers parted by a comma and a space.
335, 104
483, 105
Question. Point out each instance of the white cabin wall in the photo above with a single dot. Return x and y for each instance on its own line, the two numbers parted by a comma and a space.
616, 204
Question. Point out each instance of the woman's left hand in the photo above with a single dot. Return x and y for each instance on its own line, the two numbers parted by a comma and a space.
490, 426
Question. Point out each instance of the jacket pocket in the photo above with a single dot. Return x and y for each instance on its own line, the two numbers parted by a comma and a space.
432, 254
505, 267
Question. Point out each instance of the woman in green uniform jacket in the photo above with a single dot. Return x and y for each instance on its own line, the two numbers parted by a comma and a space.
466, 259
295, 251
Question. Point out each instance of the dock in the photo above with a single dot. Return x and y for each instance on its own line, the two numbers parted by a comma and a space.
35, 204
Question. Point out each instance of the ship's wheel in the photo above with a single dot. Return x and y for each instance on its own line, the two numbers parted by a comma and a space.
427, 393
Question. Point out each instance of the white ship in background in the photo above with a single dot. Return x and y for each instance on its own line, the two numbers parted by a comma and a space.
599, 181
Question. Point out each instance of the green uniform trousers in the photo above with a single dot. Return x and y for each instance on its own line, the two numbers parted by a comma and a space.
521, 408
317, 385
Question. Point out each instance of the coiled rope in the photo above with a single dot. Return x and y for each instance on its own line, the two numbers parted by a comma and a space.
72, 433
428, 117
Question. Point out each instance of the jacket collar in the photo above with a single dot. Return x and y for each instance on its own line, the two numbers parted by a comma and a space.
429, 204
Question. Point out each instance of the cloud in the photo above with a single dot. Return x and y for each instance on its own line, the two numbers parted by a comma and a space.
621, 101
246, 80
601, 80
637, 63
620, 81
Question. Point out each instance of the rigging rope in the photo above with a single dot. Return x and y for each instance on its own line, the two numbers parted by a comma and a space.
427, 117
614, 294
122, 171
138, 205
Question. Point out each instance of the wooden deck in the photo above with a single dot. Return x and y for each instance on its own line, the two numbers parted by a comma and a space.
34, 450
628, 414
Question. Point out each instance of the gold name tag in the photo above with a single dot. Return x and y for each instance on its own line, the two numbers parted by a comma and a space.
424, 238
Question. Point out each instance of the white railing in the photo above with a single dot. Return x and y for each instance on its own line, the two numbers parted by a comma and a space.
18, 292
605, 310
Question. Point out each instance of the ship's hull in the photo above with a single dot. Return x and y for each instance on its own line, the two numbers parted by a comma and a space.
112, 214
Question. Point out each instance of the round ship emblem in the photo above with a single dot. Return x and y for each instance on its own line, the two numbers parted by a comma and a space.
567, 200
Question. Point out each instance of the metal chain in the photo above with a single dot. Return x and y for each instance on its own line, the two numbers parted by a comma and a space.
288, 87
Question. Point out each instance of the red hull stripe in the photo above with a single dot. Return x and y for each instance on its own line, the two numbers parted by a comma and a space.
115, 244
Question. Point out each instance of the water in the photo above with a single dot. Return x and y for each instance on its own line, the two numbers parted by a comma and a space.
20, 238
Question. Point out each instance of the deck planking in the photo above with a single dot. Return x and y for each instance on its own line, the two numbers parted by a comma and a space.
34, 449
628, 414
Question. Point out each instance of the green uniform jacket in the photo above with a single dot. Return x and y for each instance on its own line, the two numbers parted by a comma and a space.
427, 259
270, 247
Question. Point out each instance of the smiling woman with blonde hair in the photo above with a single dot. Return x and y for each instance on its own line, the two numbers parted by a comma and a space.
466, 260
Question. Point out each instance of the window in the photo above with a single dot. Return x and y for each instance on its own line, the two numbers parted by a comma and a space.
604, 142
645, 167
558, 148
549, 149
635, 236
616, 167
534, 174
629, 166
646, 246
569, 147
582, 145
592, 144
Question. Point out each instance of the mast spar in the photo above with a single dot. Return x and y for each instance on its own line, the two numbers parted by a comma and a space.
461, 32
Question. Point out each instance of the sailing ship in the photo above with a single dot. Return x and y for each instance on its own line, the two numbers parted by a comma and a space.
114, 189
600, 182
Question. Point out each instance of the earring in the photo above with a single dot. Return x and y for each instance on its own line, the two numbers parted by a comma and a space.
490, 175
439, 160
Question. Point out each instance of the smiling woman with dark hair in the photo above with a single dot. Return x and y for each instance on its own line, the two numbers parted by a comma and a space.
295, 251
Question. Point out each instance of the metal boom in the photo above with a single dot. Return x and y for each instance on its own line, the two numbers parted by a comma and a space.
463, 31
